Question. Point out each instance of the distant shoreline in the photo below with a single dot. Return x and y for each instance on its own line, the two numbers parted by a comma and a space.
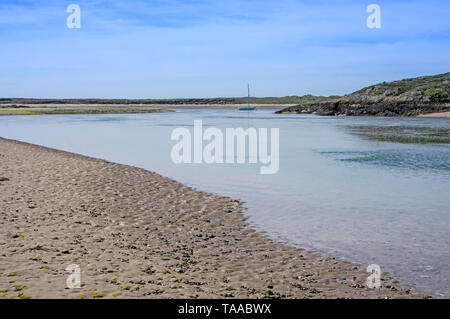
49, 109
52, 110
60, 109
112, 105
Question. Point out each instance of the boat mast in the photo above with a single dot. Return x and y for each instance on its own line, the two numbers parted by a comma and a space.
248, 98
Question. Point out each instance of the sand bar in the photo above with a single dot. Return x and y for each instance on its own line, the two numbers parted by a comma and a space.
79, 110
156, 106
440, 114
137, 234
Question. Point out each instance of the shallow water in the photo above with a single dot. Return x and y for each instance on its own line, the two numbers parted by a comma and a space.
371, 202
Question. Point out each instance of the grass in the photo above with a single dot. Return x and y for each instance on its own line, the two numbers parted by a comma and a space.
79, 110
403, 134
435, 88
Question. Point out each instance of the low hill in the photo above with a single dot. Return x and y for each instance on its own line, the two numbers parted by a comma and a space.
407, 97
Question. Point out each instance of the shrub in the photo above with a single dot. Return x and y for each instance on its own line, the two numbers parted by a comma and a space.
438, 93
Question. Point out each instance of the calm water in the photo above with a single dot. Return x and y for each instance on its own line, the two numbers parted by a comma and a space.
368, 201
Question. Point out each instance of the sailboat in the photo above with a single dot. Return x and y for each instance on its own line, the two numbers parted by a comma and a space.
248, 107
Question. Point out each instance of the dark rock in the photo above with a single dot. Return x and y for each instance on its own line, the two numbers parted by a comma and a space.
363, 108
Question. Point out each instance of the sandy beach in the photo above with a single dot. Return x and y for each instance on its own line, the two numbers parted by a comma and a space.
440, 114
137, 234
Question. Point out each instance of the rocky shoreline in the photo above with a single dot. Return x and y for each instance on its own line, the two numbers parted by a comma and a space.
407, 97
375, 108
137, 234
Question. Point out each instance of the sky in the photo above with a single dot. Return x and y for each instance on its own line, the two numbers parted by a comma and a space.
200, 48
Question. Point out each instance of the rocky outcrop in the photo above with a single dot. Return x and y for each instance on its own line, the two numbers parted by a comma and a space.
381, 108
408, 97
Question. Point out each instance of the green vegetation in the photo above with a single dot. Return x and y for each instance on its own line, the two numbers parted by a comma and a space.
4, 179
159, 291
403, 134
438, 93
126, 287
407, 97
21, 102
435, 88
79, 110
269, 293
17, 236
19, 287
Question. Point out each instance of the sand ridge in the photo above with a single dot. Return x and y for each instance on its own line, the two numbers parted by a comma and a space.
137, 234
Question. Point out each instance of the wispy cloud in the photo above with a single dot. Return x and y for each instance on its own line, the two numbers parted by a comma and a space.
210, 48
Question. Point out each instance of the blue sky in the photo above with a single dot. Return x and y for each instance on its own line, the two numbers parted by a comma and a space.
196, 48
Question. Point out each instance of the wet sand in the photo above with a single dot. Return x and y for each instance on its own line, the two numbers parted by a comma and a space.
440, 114
137, 234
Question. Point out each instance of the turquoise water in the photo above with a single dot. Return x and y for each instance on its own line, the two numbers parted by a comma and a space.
335, 192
